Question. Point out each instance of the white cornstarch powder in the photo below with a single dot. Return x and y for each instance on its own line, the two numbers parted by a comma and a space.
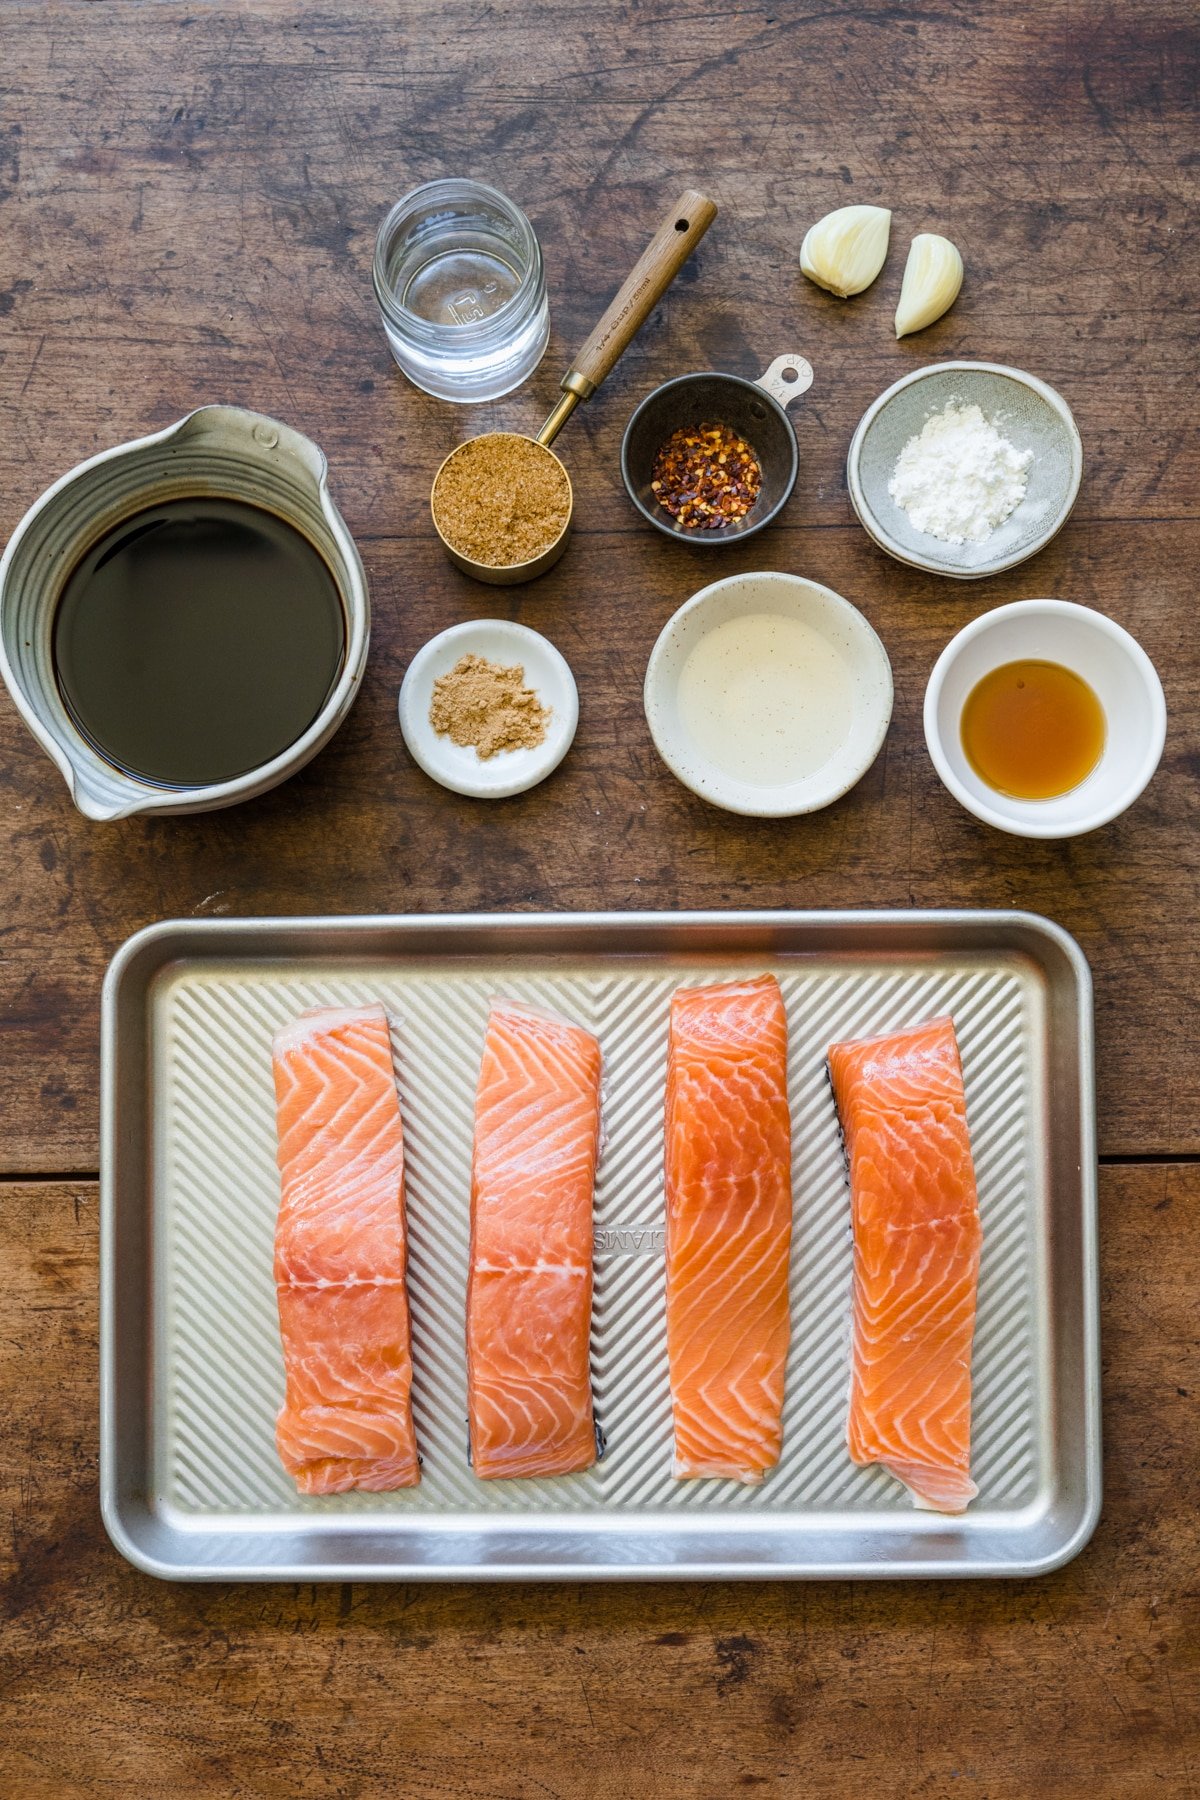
957, 479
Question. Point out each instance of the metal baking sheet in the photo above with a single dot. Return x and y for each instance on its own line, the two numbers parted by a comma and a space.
191, 1370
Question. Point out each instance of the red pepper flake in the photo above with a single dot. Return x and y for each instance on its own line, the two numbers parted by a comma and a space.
706, 476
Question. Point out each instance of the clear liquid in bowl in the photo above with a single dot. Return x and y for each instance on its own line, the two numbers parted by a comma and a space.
460, 286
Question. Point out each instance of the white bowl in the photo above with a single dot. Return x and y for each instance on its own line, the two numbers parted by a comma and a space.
847, 633
459, 767
1115, 667
1030, 413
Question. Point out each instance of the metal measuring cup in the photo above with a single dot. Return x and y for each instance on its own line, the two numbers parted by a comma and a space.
648, 281
756, 410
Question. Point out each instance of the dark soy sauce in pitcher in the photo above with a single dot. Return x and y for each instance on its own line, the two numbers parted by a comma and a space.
197, 640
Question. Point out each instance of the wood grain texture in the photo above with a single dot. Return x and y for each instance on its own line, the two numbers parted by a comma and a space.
363, 830
1085, 1683
187, 203
656, 268
188, 198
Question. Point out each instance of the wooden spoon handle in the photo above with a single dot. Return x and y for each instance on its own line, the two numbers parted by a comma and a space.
651, 276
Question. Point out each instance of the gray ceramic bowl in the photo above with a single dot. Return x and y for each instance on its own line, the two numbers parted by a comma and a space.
218, 450
1028, 412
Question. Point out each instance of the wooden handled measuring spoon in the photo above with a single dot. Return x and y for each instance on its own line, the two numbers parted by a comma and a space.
473, 477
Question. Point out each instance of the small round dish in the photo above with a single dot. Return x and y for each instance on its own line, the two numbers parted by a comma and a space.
844, 657
1027, 412
1115, 667
459, 767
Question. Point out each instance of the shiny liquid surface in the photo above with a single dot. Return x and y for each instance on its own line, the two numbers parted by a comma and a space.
197, 640
1033, 730
766, 698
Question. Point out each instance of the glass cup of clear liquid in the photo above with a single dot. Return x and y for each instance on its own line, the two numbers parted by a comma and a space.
459, 280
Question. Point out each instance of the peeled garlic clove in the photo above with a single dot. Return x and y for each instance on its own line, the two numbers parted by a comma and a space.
933, 275
845, 250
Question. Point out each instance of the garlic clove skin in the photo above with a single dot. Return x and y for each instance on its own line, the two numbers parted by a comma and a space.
844, 251
933, 276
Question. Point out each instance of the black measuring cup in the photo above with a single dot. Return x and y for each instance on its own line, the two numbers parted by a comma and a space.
756, 410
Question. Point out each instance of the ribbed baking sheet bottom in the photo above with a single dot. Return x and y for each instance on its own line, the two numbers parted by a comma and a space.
218, 1374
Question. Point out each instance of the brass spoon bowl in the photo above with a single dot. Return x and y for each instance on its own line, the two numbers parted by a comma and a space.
645, 286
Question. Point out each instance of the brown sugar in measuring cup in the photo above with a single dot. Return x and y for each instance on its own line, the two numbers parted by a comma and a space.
502, 500
504, 514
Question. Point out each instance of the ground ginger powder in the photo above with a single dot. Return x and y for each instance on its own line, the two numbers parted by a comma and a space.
501, 499
484, 705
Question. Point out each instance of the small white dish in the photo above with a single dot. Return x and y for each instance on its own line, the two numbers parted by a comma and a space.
1028, 412
846, 644
460, 767
1115, 667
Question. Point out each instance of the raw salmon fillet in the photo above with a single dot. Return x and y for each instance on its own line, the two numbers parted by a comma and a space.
529, 1290
729, 1226
341, 1256
917, 1237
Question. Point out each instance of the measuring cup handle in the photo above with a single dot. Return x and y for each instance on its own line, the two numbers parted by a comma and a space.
651, 276
787, 378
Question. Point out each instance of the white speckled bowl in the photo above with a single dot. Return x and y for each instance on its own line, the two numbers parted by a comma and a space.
824, 611
1025, 410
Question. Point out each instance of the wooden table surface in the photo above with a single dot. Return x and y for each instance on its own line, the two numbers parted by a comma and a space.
188, 197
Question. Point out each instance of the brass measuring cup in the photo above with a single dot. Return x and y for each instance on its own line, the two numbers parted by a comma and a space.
647, 282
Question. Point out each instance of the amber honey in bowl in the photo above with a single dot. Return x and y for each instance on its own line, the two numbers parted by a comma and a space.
1032, 730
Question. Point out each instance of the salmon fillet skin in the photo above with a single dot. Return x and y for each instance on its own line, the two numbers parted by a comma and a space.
529, 1287
728, 1165
341, 1256
917, 1238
